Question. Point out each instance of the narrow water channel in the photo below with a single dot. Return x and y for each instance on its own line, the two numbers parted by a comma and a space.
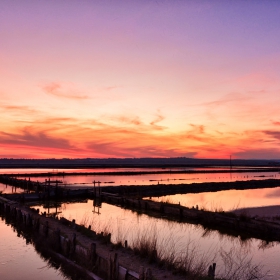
19, 259
171, 237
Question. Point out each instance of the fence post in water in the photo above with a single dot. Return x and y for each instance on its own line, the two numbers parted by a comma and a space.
109, 238
116, 265
73, 224
28, 185
211, 271
92, 253
73, 244
99, 189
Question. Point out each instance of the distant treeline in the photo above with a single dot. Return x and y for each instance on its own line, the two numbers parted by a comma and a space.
132, 163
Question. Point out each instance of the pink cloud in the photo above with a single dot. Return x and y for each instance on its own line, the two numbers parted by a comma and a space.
63, 91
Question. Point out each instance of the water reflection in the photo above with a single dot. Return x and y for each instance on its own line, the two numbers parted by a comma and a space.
171, 237
19, 260
87, 181
226, 200
9, 189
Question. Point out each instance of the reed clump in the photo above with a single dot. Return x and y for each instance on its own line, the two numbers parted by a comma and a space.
185, 258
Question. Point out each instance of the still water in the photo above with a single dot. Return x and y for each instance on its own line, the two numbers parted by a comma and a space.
86, 181
5, 189
171, 237
19, 259
225, 200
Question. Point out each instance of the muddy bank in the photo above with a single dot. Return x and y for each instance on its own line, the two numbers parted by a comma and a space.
235, 224
51, 189
163, 189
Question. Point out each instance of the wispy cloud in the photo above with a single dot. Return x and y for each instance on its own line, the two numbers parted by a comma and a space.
228, 98
131, 137
18, 109
129, 120
261, 153
272, 133
34, 139
111, 88
63, 91
159, 118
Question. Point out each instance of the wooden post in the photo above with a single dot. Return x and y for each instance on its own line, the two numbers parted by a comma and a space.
109, 238
99, 189
211, 271
58, 243
92, 253
28, 186
110, 268
115, 267
73, 244
67, 247
73, 224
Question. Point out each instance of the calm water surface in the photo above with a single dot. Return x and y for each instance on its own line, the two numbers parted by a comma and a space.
171, 237
86, 181
226, 200
20, 261
9, 189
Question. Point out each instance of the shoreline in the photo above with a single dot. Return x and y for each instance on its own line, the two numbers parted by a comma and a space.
268, 212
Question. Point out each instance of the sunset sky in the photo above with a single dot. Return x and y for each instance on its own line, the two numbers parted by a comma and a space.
90, 78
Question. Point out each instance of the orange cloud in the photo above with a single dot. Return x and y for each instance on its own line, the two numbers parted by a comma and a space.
131, 137
159, 118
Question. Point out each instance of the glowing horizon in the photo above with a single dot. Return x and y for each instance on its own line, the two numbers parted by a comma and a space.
103, 79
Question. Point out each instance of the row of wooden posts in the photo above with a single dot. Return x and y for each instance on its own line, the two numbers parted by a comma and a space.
100, 267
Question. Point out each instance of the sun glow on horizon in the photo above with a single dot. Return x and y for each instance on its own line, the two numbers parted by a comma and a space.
139, 79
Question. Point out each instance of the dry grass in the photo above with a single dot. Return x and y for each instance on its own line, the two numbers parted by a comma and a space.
145, 242
189, 260
238, 265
